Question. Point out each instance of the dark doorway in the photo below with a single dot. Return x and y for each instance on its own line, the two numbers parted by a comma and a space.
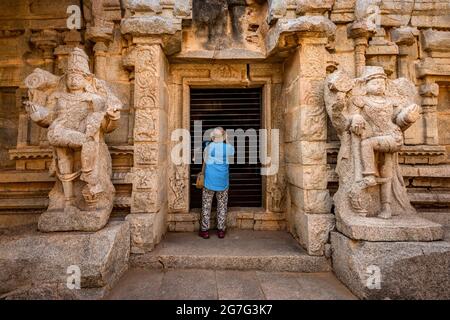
230, 109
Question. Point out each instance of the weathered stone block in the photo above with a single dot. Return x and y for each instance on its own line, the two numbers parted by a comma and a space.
34, 264
142, 235
291, 68
269, 225
307, 176
144, 201
185, 226
311, 201
313, 123
313, 230
434, 40
246, 224
145, 5
148, 25
306, 152
312, 61
311, 92
292, 95
403, 270
306, 24
292, 125
314, 6
398, 228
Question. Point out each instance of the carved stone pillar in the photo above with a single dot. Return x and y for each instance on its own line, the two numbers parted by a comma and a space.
151, 30
306, 134
361, 32
101, 36
46, 41
429, 92
382, 53
22, 130
132, 113
405, 38
72, 39
149, 194
100, 67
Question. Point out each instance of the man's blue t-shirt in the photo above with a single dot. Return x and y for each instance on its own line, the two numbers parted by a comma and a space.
217, 166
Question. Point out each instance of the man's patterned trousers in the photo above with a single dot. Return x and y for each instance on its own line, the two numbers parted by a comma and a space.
222, 202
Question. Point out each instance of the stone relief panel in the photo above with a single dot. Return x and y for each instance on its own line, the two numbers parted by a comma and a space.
145, 201
146, 154
178, 187
146, 125
146, 178
226, 25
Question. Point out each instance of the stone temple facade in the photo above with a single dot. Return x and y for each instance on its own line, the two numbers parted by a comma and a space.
308, 58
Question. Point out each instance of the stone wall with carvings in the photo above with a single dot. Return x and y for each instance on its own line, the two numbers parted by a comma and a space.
34, 34
150, 52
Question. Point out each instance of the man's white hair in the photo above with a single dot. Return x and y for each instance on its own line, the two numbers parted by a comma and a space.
218, 134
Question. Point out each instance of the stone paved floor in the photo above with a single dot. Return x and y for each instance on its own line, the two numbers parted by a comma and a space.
197, 284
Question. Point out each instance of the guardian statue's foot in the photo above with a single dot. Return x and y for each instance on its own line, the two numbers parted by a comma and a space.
386, 212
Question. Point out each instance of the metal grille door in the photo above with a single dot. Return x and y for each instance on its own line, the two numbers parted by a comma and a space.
229, 109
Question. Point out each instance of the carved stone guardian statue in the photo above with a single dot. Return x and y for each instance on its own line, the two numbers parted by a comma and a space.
78, 111
370, 114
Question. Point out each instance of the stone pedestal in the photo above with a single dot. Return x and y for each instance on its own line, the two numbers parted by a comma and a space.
73, 219
392, 270
399, 228
37, 265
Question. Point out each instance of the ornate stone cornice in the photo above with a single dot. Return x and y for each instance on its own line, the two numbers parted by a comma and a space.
298, 28
149, 19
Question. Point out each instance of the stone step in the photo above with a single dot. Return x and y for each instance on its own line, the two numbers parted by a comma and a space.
239, 250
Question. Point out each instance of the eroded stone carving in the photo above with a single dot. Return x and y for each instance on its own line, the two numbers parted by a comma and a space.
78, 110
177, 185
276, 193
370, 114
